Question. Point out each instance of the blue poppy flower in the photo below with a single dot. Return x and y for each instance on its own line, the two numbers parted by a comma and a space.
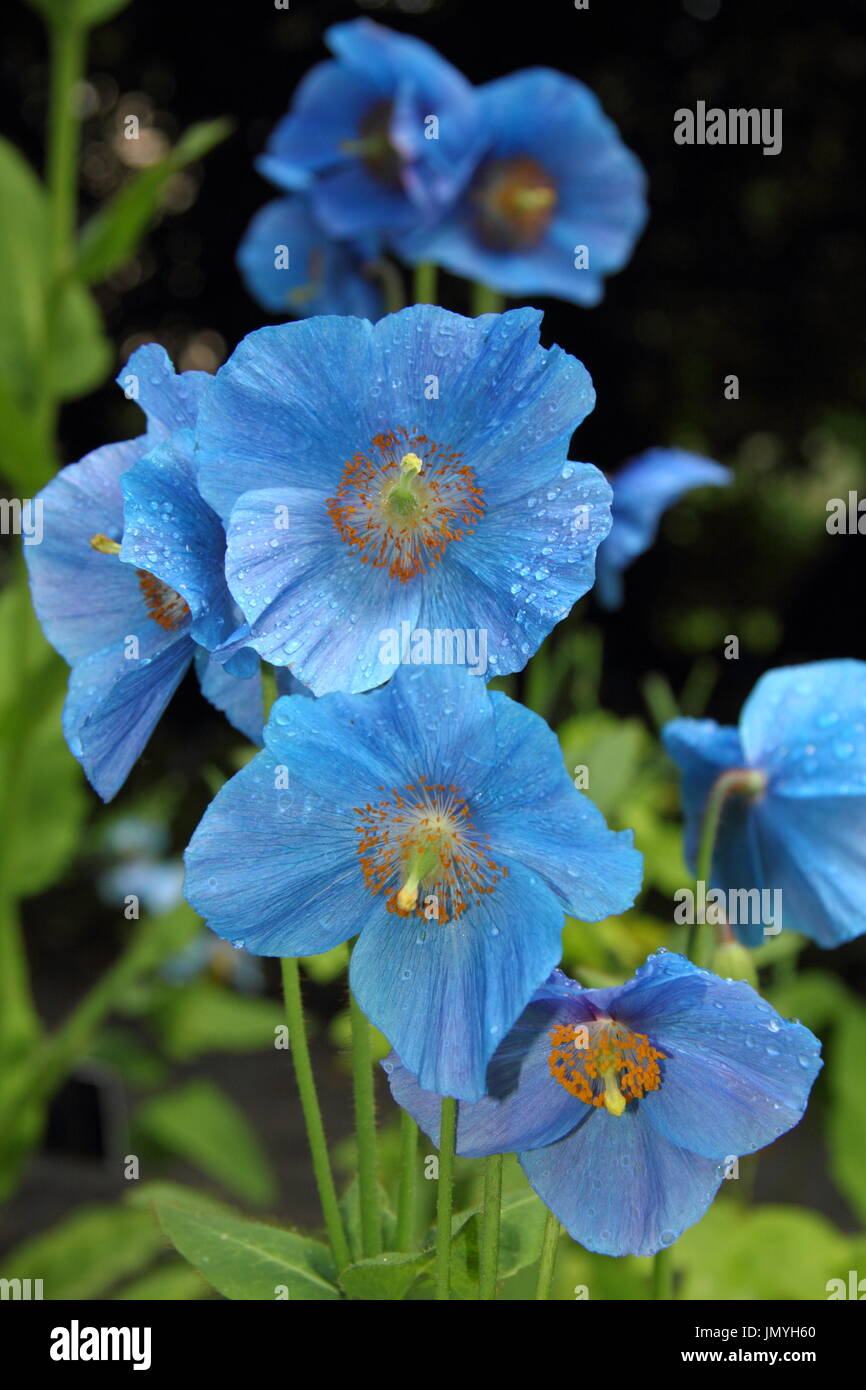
128, 581
292, 268
627, 1106
384, 484
382, 137
435, 820
800, 830
555, 204
643, 489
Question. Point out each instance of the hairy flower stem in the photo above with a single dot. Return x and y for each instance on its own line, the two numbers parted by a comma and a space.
488, 1265
547, 1259
447, 1136
739, 781
312, 1113
405, 1239
365, 1131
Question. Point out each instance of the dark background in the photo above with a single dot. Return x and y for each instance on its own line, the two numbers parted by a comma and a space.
750, 264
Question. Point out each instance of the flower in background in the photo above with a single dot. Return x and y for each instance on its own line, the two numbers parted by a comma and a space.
128, 581
628, 1105
643, 489
801, 828
411, 476
382, 137
435, 820
142, 867
556, 202
292, 268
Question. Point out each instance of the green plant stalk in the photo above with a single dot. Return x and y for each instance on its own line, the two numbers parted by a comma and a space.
425, 283
484, 300
488, 1263
547, 1258
19, 1022
365, 1131
405, 1235
662, 1276
736, 781
445, 1199
312, 1113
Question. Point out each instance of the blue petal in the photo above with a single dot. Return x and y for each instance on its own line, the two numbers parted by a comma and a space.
285, 410
239, 699
642, 491
277, 867
619, 1187
308, 600
559, 833
446, 995
171, 532
524, 1106
83, 598
735, 1076
813, 851
108, 734
805, 726
322, 276
169, 399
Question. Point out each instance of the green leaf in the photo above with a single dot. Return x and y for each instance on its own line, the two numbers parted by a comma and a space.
384, 1277
815, 997
88, 1253
246, 1260
23, 271
111, 237
610, 749
79, 355
522, 1227
207, 1017
200, 1123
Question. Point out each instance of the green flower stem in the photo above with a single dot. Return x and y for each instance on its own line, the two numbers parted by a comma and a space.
426, 281
547, 1259
739, 781
405, 1238
312, 1113
488, 1264
662, 1276
484, 300
68, 43
365, 1131
447, 1136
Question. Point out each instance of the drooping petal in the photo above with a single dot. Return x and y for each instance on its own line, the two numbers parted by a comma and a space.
169, 399
619, 1187
446, 994
114, 704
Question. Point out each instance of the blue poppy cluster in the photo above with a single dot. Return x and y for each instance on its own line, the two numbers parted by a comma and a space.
386, 512
522, 184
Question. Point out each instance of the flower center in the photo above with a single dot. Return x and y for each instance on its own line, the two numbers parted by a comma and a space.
420, 847
603, 1063
402, 504
163, 603
373, 145
515, 200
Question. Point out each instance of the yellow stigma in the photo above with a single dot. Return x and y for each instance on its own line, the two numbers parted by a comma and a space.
614, 1100
104, 545
422, 859
410, 464
534, 199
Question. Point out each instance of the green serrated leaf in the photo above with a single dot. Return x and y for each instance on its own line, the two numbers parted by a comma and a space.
246, 1260
199, 1122
112, 236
